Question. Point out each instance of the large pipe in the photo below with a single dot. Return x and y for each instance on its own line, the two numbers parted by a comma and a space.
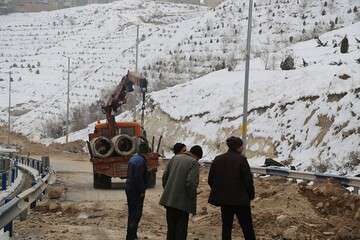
102, 147
124, 144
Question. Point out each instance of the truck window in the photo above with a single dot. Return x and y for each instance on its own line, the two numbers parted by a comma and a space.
128, 131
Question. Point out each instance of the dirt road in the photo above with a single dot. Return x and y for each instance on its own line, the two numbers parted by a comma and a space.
281, 209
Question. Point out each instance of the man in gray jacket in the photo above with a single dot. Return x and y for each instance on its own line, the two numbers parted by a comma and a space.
180, 182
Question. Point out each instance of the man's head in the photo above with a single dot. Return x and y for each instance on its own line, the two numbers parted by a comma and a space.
235, 144
143, 148
197, 151
179, 148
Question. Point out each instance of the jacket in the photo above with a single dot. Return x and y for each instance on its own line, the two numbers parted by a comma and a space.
230, 180
180, 182
136, 179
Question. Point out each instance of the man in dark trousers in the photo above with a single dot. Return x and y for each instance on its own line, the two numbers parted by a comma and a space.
135, 190
180, 182
232, 189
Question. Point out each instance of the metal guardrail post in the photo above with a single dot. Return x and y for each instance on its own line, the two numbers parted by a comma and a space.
46, 163
33, 204
23, 215
12, 175
9, 226
3, 181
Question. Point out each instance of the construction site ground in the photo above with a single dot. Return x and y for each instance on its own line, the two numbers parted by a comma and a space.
282, 209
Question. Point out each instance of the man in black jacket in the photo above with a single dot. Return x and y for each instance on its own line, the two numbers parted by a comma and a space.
232, 189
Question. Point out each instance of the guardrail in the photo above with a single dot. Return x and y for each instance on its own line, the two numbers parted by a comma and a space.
19, 205
8, 172
308, 176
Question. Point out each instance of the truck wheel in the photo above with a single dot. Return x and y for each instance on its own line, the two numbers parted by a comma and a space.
151, 179
102, 181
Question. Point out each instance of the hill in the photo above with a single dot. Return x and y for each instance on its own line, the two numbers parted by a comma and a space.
308, 117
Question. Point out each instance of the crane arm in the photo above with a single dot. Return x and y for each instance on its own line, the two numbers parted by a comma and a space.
118, 97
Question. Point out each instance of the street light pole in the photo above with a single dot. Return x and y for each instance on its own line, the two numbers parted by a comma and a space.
68, 103
247, 68
9, 118
136, 62
137, 49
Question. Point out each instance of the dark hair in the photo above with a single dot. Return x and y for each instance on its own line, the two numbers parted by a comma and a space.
197, 151
143, 147
178, 147
234, 143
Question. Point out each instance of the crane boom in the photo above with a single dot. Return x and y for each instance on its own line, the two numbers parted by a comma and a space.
118, 97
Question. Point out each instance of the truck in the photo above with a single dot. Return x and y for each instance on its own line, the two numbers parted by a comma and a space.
113, 143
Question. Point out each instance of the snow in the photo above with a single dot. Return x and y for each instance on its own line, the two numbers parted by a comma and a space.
292, 118
3, 235
300, 117
179, 42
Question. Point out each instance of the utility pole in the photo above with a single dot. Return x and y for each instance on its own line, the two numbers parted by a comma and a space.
137, 48
247, 68
136, 62
68, 103
9, 118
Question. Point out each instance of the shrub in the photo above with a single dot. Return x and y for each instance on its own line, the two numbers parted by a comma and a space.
288, 63
344, 45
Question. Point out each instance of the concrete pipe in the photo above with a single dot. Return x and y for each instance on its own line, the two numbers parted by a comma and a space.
102, 147
124, 144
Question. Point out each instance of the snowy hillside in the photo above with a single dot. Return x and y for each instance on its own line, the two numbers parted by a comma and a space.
178, 43
309, 116
100, 40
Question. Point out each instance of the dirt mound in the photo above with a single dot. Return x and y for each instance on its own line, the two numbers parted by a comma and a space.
340, 208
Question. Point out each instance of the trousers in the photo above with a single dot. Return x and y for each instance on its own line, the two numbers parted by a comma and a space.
177, 222
243, 215
135, 203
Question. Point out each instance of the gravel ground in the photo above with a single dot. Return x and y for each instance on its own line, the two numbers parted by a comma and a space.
281, 210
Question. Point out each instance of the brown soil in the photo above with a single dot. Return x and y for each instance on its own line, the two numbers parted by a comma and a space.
322, 211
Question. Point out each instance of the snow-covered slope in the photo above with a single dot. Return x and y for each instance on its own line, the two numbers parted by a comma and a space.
309, 116
178, 43
100, 40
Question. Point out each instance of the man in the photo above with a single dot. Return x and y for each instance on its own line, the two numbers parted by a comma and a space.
180, 182
232, 189
179, 148
135, 190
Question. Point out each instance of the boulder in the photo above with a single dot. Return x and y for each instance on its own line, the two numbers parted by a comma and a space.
283, 221
290, 233
55, 192
53, 206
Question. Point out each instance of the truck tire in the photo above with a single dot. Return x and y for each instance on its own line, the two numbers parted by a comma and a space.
151, 179
102, 181
102, 147
124, 145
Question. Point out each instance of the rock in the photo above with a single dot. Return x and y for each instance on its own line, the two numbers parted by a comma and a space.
204, 211
83, 216
290, 233
328, 233
55, 192
320, 205
283, 221
357, 215
53, 206
344, 234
